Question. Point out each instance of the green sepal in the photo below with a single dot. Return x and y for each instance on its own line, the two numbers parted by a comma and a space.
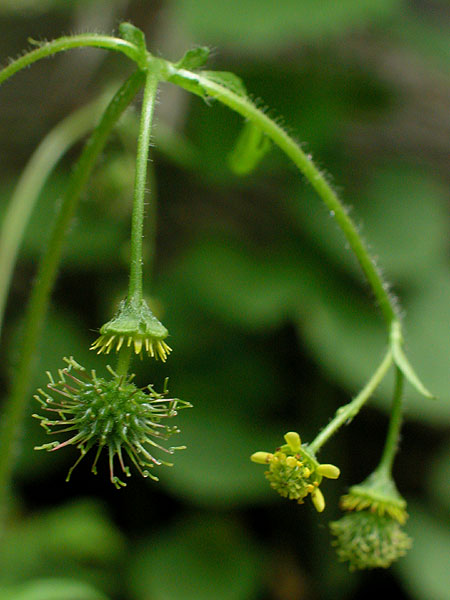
403, 363
377, 493
135, 36
251, 146
194, 58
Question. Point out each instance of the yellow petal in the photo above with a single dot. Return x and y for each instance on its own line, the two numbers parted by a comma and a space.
262, 458
293, 440
318, 500
329, 471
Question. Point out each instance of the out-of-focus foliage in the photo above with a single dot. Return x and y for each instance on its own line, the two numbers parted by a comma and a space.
271, 323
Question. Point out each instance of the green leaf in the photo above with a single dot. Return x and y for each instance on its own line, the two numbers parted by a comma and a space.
132, 34
403, 363
194, 58
52, 589
251, 146
200, 558
228, 80
135, 36
424, 570
74, 540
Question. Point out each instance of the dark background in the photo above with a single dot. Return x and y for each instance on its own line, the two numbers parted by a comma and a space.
271, 323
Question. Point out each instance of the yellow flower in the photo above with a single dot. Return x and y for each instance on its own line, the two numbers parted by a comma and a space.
294, 471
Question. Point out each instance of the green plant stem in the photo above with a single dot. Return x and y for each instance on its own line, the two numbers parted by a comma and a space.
137, 220
30, 185
123, 362
347, 412
287, 144
17, 402
395, 422
68, 43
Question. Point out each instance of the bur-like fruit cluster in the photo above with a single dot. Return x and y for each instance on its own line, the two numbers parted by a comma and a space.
367, 540
111, 414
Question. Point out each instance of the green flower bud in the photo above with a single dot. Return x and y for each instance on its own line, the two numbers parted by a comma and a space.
368, 540
134, 325
108, 413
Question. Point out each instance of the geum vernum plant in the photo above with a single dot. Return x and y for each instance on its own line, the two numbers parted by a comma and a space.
112, 413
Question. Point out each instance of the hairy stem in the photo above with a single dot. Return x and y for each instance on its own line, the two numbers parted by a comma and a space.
287, 144
350, 410
395, 422
68, 43
17, 402
137, 222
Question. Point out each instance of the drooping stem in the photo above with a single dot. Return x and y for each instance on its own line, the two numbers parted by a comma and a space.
395, 422
67, 43
17, 402
30, 185
287, 144
350, 410
137, 221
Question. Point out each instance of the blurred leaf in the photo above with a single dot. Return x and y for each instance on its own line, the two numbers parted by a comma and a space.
261, 25
52, 589
250, 148
199, 558
439, 478
424, 569
73, 540
395, 198
215, 469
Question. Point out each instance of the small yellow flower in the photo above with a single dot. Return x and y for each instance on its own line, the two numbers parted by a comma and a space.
134, 326
294, 471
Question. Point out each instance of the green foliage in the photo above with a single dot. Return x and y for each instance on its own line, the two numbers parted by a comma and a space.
207, 556
270, 322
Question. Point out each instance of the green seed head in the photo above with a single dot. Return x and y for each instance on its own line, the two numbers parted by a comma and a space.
368, 540
109, 413
134, 326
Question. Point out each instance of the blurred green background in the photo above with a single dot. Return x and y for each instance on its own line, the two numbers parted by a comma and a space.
271, 323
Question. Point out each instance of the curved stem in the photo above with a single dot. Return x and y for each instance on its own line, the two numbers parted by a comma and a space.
248, 110
67, 43
350, 410
17, 402
395, 422
137, 221
30, 185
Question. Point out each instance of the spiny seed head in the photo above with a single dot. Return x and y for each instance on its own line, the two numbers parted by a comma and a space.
134, 326
368, 540
108, 413
294, 471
